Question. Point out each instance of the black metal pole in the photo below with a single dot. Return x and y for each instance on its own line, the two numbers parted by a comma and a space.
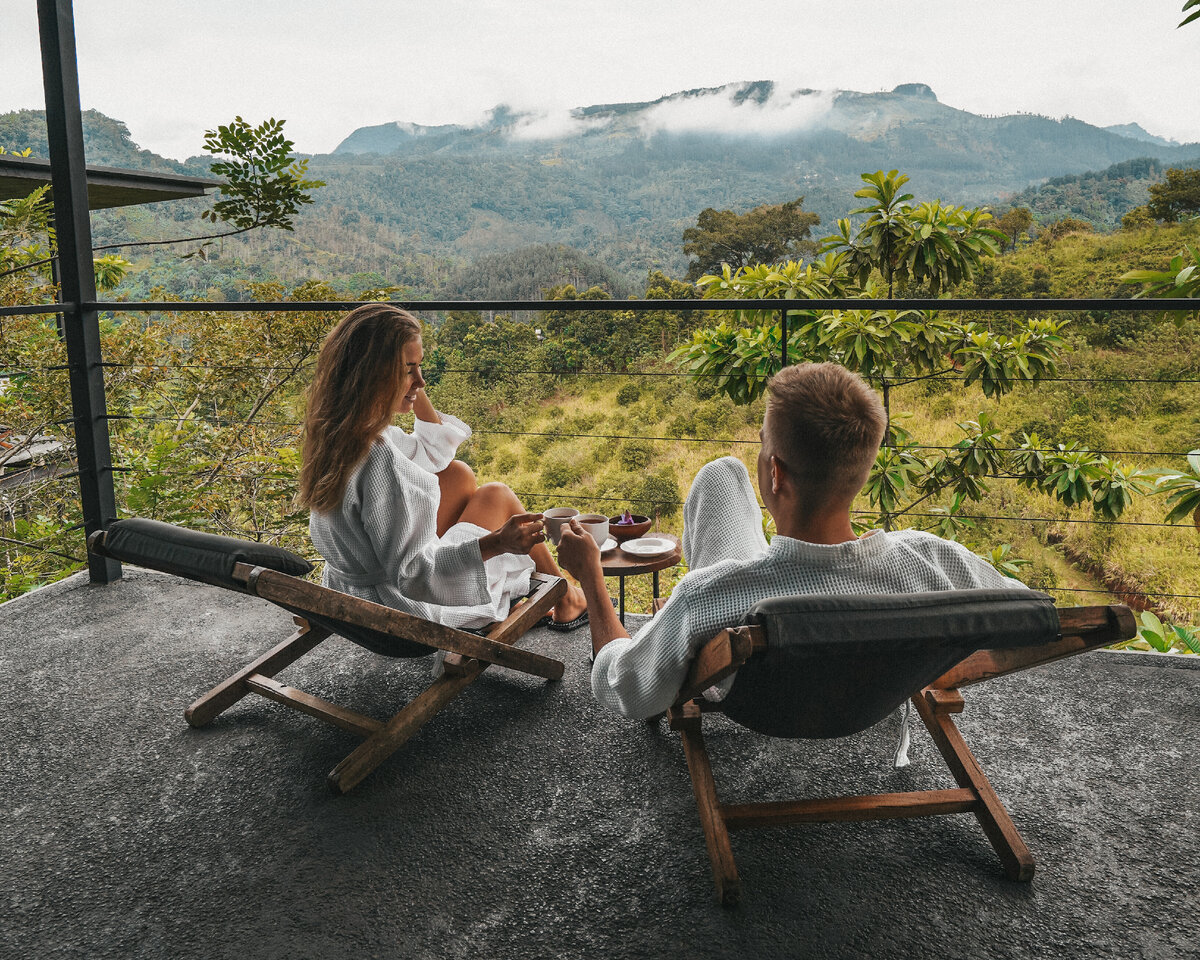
73, 228
783, 338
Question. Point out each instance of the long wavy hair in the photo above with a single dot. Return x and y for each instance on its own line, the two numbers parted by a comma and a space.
351, 398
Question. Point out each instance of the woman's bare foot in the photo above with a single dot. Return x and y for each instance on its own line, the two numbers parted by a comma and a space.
570, 606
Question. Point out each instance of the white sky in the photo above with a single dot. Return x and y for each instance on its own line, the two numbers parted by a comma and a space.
170, 69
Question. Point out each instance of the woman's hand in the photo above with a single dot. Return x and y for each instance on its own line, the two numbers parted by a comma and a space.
520, 534
423, 408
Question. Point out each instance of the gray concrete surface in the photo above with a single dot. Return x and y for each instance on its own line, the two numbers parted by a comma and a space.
523, 822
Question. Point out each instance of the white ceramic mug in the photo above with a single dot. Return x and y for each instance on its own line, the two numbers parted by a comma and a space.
596, 525
554, 519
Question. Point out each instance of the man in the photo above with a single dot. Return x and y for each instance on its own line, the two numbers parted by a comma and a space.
820, 435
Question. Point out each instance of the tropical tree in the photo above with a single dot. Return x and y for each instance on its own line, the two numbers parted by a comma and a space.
930, 246
1014, 222
1177, 196
767, 234
265, 186
926, 248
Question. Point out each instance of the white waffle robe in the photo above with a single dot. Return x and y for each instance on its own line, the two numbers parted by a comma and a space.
380, 543
732, 567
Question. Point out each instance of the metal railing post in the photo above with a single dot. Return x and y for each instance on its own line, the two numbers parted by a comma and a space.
783, 334
72, 224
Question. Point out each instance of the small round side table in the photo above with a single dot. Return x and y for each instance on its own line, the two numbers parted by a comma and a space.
617, 563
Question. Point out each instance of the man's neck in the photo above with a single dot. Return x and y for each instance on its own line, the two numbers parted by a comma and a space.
828, 527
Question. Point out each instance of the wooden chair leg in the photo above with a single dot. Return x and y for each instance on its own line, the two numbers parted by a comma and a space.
1001, 831
396, 732
460, 673
716, 837
225, 694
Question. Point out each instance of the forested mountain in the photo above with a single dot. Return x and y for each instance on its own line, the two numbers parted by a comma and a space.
415, 206
1135, 131
1099, 197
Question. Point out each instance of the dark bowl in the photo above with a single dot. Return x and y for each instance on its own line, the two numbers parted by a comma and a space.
628, 531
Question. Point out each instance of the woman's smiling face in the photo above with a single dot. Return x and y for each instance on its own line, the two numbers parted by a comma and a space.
411, 355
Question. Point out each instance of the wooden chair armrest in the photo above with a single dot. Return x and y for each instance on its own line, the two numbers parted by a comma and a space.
546, 591
301, 596
1080, 629
719, 658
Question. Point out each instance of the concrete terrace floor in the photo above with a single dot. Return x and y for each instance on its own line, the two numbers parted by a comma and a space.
523, 822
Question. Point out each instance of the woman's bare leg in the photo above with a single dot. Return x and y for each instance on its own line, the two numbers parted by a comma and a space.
490, 507
458, 485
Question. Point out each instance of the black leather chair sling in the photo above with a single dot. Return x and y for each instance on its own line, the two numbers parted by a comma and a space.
319, 613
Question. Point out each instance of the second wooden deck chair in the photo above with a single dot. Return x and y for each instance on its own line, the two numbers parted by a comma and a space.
831, 666
319, 613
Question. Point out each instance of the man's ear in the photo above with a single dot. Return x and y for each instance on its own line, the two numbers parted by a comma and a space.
778, 474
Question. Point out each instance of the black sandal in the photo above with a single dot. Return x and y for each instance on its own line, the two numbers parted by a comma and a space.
566, 626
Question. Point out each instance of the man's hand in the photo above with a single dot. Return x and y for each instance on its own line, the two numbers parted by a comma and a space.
578, 554
520, 534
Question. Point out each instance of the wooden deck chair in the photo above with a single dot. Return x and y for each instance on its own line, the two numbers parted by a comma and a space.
830, 666
277, 575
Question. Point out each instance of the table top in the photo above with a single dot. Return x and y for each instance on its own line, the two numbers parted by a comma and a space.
618, 563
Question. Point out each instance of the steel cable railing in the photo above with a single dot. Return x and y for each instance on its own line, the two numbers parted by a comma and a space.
187, 373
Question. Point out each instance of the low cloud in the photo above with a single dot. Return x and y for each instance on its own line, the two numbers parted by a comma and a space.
719, 112
553, 125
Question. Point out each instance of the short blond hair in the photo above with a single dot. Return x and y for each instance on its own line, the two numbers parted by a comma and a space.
825, 424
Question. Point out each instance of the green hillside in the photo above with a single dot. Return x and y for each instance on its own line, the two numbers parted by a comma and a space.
416, 206
1100, 197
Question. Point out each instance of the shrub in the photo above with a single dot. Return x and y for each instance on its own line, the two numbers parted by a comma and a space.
629, 393
559, 472
506, 462
583, 423
1039, 575
659, 494
713, 420
537, 445
636, 454
682, 425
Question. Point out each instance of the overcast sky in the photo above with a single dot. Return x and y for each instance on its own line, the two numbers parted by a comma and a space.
170, 69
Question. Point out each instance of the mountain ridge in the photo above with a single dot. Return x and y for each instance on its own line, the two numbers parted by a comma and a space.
620, 182
742, 108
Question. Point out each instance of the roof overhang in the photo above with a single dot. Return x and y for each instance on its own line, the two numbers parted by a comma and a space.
107, 186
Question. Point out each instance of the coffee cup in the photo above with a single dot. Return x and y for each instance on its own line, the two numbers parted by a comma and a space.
595, 525
554, 519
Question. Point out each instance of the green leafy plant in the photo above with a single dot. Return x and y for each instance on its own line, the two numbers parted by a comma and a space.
1180, 279
950, 525
930, 245
1165, 637
265, 185
1002, 559
1182, 491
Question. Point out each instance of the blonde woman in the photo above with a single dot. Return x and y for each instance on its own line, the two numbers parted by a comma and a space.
398, 520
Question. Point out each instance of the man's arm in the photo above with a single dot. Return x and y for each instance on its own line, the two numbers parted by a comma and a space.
580, 557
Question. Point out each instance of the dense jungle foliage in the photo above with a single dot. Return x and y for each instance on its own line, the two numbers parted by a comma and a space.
587, 408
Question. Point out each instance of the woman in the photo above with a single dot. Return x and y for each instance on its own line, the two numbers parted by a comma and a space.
398, 520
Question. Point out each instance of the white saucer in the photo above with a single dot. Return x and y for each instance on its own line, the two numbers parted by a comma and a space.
648, 546
607, 545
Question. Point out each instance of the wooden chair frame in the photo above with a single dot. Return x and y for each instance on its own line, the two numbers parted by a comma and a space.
1081, 629
467, 656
